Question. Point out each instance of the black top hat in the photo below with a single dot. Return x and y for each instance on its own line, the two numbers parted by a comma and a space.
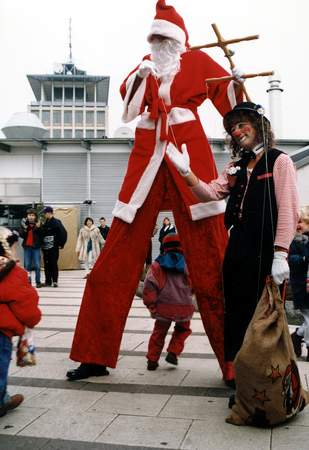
243, 107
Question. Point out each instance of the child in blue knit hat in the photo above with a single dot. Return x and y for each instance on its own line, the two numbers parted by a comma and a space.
168, 296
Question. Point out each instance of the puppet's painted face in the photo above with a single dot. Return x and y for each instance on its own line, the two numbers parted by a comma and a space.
244, 134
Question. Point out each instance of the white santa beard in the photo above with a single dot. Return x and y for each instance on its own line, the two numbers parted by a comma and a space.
166, 55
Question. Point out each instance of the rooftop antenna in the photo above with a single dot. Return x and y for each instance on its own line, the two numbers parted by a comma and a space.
70, 40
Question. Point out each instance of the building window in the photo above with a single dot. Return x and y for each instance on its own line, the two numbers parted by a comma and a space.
89, 118
68, 94
67, 118
79, 94
79, 118
47, 91
56, 117
36, 112
100, 118
89, 133
100, 133
90, 93
79, 134
67, 134
56, 133
58, 94
46, 117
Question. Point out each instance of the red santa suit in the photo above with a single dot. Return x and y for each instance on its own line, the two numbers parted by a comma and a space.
168, 111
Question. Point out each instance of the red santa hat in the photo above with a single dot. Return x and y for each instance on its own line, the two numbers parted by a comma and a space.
169, 23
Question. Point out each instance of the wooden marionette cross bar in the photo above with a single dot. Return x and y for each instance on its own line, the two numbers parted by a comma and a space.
226, 42
228, 53
222, 43
248, 75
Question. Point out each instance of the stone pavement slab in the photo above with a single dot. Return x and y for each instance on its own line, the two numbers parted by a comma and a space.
130, 404
214, 434
186, 407
59, 310
64, 400
21, 443
27, 391
162, 377
35, 443
77, 426
17, 420
146, 431
290, 437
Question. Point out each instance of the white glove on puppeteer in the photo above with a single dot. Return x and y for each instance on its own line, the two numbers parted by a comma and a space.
146, 68
238, 74
280, 269
180, 160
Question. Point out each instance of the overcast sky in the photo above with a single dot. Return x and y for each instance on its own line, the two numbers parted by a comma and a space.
109, 38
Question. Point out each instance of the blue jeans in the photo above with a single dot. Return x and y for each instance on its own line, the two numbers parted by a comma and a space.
5, 359
32, 260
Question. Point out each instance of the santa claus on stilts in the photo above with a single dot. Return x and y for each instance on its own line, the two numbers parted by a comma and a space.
165, 90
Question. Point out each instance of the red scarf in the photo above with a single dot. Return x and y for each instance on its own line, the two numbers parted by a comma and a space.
29, 240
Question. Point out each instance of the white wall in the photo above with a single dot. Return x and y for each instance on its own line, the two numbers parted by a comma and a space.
303, 185
13, 165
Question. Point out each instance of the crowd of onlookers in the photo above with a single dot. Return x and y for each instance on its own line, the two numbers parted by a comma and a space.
47, 237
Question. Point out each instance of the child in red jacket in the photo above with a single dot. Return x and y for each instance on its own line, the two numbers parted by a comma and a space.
168, 296
18, 309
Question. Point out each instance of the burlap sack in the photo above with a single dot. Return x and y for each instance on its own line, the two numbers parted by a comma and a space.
268, 386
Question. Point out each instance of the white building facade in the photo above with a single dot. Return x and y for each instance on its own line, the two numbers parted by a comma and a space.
70, 103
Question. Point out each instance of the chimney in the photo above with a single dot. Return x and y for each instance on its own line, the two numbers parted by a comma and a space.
275, 107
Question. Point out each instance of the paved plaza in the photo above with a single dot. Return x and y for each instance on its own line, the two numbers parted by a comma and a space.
180, 407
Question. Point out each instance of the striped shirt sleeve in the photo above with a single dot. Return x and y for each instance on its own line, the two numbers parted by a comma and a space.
287, 200
217, 189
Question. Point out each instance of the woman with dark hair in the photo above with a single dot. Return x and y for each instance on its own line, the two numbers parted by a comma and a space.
31, 233
89, 243
261, 216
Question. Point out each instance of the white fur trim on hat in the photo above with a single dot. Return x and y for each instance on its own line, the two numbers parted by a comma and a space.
167, 29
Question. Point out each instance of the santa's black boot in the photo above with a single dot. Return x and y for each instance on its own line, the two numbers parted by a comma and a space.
86, 370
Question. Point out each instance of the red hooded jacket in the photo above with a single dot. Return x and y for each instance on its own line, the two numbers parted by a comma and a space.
18, 301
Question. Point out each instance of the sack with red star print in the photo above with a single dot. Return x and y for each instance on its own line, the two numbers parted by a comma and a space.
268, 385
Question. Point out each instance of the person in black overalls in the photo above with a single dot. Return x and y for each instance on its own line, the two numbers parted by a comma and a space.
261, 216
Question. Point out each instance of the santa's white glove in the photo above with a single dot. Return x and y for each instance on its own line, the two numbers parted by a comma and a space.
238, 75
146, 68
280, 269
180, 160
